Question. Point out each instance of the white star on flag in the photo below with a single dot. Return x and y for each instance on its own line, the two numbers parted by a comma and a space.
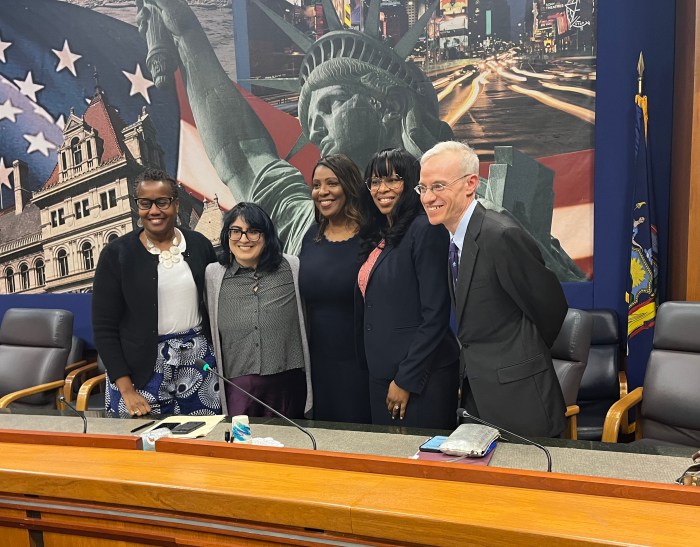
66, 58
9, 111
27, 86
61, 122
3, 47
139, 83
38, 143
5, 174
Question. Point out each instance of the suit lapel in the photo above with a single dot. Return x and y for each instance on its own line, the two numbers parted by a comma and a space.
467, 259
380, 258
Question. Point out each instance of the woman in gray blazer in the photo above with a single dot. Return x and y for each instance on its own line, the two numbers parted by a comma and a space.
256, 318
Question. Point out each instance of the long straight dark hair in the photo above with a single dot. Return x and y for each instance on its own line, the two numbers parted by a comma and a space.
255, 217
375, 226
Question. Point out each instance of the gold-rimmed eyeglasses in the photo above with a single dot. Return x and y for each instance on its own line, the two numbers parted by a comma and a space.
392, 183
437, 187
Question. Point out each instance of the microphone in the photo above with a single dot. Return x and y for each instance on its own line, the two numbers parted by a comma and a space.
63, 400
462, 413
203, 365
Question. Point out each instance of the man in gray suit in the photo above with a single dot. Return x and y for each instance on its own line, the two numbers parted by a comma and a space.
509, 307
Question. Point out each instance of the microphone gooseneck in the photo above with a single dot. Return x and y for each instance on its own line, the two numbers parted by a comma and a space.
75, 410
202, 364
462, 413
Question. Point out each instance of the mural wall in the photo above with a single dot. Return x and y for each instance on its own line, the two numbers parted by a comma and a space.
91, 91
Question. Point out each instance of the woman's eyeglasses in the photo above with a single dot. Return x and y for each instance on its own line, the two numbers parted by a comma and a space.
145, 204
253, 235
392, 183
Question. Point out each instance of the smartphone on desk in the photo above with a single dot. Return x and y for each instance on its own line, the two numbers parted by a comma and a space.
432, 444
187, 427
168, 425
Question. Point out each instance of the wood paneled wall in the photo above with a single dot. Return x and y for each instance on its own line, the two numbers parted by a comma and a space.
684, 236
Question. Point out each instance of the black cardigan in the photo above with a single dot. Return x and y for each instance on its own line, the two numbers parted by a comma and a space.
125, 303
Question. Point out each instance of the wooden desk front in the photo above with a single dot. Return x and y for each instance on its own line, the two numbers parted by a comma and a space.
78, 495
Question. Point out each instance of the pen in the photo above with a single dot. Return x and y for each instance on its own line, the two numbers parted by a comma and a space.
144, 426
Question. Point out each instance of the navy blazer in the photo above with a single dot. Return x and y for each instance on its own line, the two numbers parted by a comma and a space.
402, 326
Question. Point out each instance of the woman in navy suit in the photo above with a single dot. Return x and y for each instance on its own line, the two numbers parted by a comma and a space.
403, 301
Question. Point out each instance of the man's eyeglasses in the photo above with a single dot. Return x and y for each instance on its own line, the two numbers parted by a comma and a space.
438, 186
392, 183
145, 204
253, 235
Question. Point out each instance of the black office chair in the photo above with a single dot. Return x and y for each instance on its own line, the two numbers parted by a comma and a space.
669, 413
34, 348
569, 356
603, 382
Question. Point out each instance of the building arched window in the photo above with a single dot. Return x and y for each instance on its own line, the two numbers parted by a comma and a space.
24, 275
62, 257
10, 280
112, 237
76, 151
40, 269
88, 256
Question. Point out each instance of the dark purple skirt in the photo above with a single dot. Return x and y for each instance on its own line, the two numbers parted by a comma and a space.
285, 392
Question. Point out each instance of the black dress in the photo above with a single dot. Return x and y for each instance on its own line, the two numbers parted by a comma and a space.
327, 277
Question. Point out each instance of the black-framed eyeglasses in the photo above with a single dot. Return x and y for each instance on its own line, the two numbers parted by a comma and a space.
235, 234
438, 186
392, 183
145, 204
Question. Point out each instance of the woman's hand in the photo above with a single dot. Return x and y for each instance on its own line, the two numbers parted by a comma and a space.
134, 402
397, 400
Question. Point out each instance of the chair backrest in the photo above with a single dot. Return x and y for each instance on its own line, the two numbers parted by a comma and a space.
34, 347
670, 410
600, 385
570, 352
77, 350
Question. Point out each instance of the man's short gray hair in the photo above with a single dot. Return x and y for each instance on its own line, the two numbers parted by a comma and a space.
468, 158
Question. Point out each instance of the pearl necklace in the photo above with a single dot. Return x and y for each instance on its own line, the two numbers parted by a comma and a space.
166, 258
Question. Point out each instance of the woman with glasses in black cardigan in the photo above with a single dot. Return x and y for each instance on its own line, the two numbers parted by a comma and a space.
148, 316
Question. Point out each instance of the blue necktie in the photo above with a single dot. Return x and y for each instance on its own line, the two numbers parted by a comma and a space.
454, 262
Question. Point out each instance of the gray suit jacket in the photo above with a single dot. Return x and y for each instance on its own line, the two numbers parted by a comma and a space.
509, 309
213, 277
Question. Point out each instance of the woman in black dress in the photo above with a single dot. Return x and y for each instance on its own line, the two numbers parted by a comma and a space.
329, 266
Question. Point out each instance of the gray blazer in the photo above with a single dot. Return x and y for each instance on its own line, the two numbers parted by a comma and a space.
213, 278
509, 309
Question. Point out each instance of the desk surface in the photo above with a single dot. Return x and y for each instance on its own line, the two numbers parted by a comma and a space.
652, 464
362, 500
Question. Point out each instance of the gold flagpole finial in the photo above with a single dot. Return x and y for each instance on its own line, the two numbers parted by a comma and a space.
640, 72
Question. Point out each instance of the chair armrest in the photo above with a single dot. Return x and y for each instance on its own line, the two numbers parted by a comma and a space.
72, 366
86, 390
12, 397
617, 411
625, 427
73, 376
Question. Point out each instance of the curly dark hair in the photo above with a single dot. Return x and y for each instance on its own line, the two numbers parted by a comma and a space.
157, 175
375, 226
350, 180
255, 217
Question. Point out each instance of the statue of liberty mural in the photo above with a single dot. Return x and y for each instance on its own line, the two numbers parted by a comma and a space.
357, 95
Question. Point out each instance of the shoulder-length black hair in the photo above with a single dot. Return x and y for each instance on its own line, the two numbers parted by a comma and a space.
375, 226
255, 217
350, 179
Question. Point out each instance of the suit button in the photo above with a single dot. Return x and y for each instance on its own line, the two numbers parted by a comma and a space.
369, 306
369, 328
